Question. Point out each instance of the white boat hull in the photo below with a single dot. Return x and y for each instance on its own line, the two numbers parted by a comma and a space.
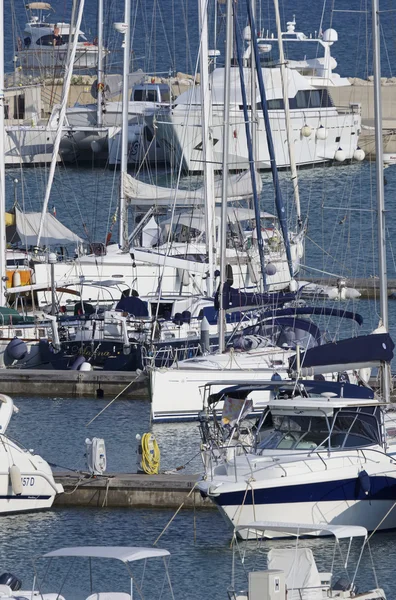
28, 145
356, 487
177, 393
362, 512
182, 141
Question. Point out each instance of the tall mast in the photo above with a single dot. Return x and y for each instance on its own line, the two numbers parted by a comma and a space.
271, 149
99, 96
379, 172
207, 146
226, 131
62, 115
253, 91
123, 222
2, 166
289, 128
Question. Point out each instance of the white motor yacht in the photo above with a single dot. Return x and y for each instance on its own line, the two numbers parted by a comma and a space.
321, 132
319, 454
44, 44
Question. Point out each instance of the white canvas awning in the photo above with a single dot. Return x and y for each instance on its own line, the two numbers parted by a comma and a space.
123, 553
146, 195
54, 233
270, 529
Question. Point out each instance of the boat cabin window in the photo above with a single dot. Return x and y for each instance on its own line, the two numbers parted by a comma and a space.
303, 99
48, 40
151, 94
311, 99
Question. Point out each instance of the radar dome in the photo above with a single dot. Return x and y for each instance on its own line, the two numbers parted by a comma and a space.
330, 36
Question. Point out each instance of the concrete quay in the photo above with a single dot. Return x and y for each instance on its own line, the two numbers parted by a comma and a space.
96, 384
133, 490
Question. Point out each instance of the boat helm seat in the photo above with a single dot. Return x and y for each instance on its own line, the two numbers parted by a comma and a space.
303, 581
109, 596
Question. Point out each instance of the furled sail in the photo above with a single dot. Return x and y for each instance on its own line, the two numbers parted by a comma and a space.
145, 195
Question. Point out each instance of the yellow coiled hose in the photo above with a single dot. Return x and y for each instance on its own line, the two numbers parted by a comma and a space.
150, 454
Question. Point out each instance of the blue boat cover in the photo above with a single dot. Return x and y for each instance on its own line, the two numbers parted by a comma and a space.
341, 389
234, 298
365, 349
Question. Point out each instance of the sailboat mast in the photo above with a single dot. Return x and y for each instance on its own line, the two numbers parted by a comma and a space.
99, 97
253, 92
123, 222
226, 131
289, 128
207, 146
62, 115
379, 172
3, 262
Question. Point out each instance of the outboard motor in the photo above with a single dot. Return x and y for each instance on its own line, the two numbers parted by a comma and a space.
17, 349
13, 582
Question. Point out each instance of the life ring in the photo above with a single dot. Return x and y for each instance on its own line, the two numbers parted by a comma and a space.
100, 87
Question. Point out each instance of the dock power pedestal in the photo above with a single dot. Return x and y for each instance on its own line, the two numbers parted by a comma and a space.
267, 585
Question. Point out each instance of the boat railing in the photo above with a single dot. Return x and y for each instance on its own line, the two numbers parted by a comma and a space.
166, 356
229, 454
354, 108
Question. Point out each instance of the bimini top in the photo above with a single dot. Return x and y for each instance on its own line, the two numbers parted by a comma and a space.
270, 529
124, 553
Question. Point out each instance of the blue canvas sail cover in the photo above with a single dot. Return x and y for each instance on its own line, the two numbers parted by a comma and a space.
352, 353
234, 298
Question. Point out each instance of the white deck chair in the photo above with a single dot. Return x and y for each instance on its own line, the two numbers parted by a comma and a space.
303, 581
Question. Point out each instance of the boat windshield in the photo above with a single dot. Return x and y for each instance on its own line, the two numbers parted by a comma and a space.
348, 428
296, 433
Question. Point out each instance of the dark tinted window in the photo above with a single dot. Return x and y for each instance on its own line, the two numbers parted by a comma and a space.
311, 99
138, 95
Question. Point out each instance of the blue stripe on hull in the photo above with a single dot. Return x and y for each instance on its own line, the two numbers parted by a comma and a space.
382, 488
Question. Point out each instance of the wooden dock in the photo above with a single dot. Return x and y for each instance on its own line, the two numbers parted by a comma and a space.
130, 490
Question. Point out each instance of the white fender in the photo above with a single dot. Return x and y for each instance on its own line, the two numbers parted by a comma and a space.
16, 480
